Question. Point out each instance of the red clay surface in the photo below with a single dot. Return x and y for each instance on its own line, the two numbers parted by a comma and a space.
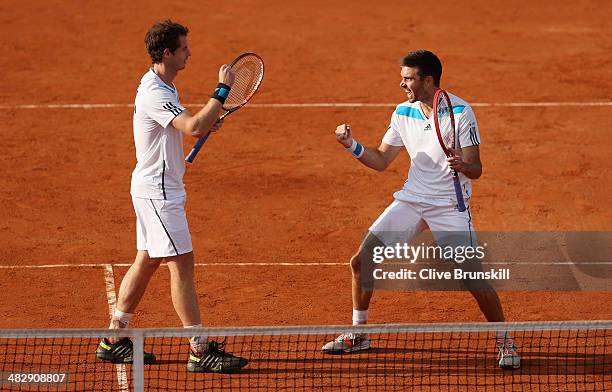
274, 186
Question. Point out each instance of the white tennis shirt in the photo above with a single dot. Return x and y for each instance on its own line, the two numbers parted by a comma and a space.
429, 175
159, 146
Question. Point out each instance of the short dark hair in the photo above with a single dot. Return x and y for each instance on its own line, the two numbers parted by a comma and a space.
163, 35
428, 64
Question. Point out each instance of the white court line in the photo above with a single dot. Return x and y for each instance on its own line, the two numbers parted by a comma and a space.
196, 264
270, 264
308, 105
109, 279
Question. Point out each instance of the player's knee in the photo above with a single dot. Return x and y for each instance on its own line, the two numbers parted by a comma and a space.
355, 264
152, 264
184, 262
186, 259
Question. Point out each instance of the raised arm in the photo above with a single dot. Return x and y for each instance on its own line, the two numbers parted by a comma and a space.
375, 158
203, 121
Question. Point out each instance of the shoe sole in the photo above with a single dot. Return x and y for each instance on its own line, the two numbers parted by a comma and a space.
106, 356
192, 367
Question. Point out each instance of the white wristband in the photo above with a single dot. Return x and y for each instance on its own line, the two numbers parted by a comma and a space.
356, 149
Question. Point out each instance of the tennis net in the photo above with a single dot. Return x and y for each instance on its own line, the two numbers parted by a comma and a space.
555, 356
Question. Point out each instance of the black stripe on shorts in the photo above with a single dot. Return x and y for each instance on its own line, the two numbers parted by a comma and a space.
164, 226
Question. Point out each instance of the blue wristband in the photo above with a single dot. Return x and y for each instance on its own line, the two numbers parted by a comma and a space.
221, 92
356, 149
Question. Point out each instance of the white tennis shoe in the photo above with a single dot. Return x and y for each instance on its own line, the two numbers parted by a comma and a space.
506, 354
347, 343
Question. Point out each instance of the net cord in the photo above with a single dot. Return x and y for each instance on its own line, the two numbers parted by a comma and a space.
312, 329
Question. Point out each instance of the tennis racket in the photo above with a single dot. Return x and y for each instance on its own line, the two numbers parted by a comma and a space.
249, 69
445, 129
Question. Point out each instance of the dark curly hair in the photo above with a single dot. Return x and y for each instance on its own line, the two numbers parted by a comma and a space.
161, 36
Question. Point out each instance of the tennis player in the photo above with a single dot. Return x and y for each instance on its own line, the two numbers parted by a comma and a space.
158, 196
427, 199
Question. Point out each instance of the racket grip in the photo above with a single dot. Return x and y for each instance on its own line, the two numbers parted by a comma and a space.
459, 193
196, 148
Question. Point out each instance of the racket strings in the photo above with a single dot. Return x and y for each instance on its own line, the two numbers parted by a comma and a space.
249, 72
445, 123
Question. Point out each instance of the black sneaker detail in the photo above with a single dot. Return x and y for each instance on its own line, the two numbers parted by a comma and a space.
214, 360
120, 352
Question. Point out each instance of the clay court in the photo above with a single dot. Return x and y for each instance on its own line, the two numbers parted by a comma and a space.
275, 207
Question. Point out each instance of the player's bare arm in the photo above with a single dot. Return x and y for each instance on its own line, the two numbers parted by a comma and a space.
205, 120
375, 158
466, 161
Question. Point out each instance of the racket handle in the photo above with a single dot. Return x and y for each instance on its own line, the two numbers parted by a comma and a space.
459, 193
196, 148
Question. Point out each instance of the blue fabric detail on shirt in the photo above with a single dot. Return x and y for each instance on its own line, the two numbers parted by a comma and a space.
458, 109
409, 112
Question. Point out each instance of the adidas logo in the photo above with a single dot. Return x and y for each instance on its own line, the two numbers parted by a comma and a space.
427, 127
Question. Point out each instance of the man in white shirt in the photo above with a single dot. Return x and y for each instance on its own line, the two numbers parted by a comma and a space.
427, 198
158, 196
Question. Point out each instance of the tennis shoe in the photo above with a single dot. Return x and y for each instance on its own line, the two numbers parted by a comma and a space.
214, 360
121, 351
506, 354
347, 343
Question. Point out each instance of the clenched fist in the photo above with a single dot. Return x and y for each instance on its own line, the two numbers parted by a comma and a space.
226, 75
344, 135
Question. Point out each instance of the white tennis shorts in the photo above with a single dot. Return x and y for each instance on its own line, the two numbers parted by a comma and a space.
161, 227
403, 220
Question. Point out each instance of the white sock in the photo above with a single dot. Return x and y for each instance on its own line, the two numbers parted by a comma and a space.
122, 318
360, 317
197, 343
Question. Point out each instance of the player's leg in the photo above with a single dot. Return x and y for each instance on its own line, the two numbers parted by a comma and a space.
133, 286
168, 237
153, 243
450, 227
361, 282
490, 305
361, 290
175, 245
453, 228
204, 355
488, 301
155, 239
400, 222
177, 250
182, 289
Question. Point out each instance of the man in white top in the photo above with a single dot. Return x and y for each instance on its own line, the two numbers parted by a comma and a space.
158, 195
427, 199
